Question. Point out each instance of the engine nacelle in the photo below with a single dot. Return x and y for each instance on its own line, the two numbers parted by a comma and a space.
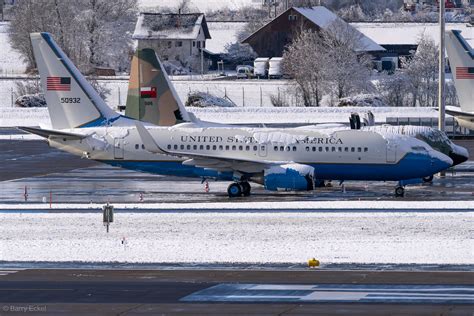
289, 177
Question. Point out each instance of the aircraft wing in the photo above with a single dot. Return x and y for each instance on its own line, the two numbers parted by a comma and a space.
205, 160
456, 111
47, 133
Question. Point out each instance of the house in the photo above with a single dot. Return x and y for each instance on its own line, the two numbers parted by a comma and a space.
271, 39
177, 38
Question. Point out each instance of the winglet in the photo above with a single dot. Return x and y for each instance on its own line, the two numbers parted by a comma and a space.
147, 139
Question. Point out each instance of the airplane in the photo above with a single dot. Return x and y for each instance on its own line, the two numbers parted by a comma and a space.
290, 159
461, 59
144, 76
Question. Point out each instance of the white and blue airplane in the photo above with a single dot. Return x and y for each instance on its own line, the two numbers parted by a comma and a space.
461, 59
280, 159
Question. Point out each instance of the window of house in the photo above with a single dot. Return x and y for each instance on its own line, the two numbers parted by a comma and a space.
170, 43
179, 43
177, 57
194, 43
203, 44
165, 57
292, 17
199, 44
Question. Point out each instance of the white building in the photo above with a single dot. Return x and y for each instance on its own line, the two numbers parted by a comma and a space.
177, 38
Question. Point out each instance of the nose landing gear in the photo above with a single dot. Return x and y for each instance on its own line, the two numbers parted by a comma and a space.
237, 189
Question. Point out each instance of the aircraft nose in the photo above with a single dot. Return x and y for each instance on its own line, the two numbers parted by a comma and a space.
457, 158
439, 161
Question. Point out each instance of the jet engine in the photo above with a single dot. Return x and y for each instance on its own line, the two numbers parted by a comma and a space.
289, 177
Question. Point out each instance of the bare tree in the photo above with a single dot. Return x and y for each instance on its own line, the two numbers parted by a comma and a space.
422, 73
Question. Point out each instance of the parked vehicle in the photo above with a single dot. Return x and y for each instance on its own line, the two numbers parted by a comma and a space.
244, 72
275, 68
260, 66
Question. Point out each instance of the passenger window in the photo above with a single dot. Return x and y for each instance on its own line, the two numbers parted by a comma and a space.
214, 147
294, 148
169, 146
247, 148
307, 148
262, 148
275, 148
182, 147
208, 147
287, 148
359, 149
320, 148
201, 147
333, 148
352, 149
346, 149
143, 146
314, 148
136, 146
327, 149
241, 148
234, 147
255, 148
195, 147
227, 147
282, 148
366, 149
188, 147
339, 149
175, 146
221, 147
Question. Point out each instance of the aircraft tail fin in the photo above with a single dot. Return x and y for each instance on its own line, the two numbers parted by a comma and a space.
72, 101
151, 96
461, 59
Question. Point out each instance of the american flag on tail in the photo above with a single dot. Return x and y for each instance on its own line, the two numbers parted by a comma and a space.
464, 72
58, 84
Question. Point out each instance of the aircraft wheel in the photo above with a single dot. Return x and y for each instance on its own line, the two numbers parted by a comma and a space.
399, 192
245, 188
428, 179
234, 190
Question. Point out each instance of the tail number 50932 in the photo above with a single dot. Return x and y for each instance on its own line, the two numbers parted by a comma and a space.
70, 100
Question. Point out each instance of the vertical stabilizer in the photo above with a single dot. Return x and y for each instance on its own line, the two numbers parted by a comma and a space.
72, 101
461, 59
151, 96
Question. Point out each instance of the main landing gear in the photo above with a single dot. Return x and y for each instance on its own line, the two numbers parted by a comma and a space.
237, 189
428, 179
399, 191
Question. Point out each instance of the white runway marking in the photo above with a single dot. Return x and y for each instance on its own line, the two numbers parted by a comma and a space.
342, 293
9, 271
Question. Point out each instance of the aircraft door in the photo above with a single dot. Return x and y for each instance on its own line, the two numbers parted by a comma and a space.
262, 150
118, 148
391, 153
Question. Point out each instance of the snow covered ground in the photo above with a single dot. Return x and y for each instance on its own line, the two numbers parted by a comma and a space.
248, 115
284, 237
10, 60
202, 5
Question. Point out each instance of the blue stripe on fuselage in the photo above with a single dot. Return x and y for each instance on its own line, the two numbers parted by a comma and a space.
410, 167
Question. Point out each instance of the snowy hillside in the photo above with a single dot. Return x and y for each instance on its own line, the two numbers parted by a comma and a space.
202, 5
10, 60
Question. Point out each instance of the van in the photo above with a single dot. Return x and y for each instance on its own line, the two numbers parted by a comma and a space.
260, 66
244, 72
275, 68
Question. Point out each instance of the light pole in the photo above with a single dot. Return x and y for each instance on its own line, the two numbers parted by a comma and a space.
441, 83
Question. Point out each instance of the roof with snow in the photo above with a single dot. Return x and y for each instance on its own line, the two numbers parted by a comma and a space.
409, 33
170, 26
323, 18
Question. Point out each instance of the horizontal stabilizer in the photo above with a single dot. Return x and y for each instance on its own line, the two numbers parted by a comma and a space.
456, 111
147, 139
46, 133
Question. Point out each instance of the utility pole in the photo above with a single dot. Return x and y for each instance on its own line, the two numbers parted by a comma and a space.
441, 83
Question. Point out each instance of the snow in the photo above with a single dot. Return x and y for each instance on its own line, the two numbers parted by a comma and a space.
262, 206
409, 33
323, 18
236, 237
154, 25
202, 5
10, 60
245, 115
223, 33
